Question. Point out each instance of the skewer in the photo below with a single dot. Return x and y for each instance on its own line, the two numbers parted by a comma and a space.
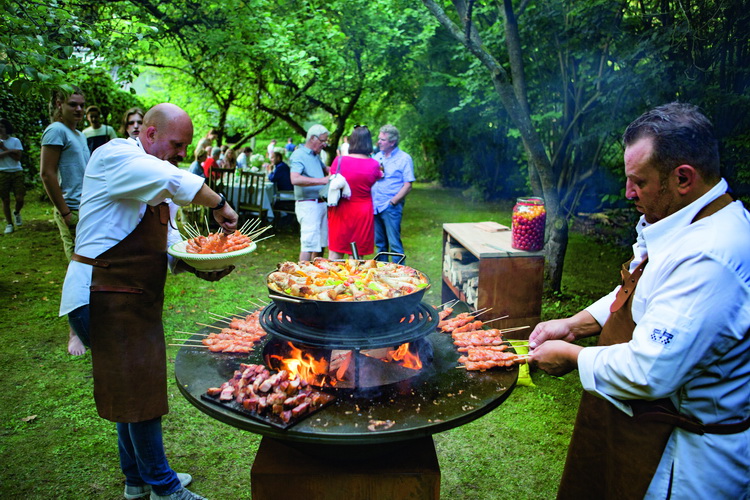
483, 310
189, 345
258, 232
225, 319
246, 310
191, 333
450, 303
495, 319
187, 340
270, 236
515, 329
210, 326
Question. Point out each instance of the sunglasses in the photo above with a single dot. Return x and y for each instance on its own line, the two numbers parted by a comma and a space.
359, 126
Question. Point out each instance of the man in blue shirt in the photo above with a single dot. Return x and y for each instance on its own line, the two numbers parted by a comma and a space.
389, 192
308, 175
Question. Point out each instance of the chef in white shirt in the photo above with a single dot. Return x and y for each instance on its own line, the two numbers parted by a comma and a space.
666, 410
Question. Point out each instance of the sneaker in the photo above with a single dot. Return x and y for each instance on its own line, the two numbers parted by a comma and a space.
9, 229
19, 221
133, 492
183, 494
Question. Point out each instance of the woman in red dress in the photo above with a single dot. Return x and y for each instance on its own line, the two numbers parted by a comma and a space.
352, 219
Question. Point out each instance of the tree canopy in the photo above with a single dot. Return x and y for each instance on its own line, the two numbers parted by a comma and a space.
503, 97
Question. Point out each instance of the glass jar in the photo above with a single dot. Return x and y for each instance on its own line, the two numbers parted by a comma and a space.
529, 217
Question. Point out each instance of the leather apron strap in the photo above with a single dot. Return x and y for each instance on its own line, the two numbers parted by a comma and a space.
127, 336
612, 455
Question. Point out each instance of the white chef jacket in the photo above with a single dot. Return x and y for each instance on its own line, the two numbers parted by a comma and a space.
121, 179
691, 344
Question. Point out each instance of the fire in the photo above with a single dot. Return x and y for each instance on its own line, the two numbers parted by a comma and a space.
405, 358
314, 371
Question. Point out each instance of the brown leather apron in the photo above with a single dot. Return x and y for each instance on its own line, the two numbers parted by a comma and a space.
127, 336
612, 455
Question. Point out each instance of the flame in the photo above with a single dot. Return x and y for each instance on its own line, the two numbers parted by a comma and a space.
304, 365
405, 358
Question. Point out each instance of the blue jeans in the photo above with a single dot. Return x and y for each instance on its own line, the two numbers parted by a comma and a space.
141, 446
388, 230
142, 457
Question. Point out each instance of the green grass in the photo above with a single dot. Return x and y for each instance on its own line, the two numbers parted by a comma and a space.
53, 444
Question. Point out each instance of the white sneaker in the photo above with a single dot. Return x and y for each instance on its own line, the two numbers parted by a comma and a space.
183, 494
19, 221
9, 229
133, 492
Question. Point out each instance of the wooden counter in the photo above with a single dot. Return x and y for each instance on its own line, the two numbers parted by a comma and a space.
509, 281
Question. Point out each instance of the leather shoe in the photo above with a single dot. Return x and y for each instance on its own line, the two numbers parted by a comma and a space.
133, 492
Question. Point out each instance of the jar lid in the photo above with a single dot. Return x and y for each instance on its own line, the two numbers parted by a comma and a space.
531, 200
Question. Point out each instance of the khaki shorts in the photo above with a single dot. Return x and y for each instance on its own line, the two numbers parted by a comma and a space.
12, 182
67, 232
313, 221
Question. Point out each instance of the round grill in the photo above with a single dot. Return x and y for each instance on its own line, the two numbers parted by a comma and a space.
370, 336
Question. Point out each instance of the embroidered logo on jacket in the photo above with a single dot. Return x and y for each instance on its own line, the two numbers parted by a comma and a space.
661, 336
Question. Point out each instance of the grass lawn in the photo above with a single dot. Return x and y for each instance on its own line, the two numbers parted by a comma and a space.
53, 444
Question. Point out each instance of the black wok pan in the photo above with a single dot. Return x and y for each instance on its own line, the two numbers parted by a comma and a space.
366, 315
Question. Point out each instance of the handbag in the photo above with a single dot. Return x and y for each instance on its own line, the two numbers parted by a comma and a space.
323, 193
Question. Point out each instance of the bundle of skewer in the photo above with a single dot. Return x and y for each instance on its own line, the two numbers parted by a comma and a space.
482, 348
251, 228
240, 335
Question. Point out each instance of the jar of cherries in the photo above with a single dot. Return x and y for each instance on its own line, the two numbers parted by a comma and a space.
529, 217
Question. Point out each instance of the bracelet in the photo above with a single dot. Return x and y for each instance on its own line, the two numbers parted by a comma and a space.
221, 204
65, 215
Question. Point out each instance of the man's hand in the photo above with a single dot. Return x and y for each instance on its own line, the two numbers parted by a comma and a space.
576, 327
227, 218
556, 357
213, 275
556, 329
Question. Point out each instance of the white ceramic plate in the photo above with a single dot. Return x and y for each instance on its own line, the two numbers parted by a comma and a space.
209, 261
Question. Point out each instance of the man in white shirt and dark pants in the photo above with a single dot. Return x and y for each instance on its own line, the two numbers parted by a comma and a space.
666, 410
114, 288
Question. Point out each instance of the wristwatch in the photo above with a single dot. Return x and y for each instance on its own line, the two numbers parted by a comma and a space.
221, 203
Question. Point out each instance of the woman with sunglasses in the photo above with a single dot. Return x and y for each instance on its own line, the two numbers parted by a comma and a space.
352, 219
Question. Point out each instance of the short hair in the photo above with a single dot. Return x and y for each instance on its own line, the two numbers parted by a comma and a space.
316, 131
59, 95
247, 149
200, 153
681, 135
360, 141
93, 108
215, 151
124, 125
8, 126
278, 156
391, 132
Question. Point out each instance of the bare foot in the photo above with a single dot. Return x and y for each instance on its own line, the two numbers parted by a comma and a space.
75, 346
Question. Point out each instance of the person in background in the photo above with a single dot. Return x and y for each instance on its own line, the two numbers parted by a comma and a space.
63, 159
208, 140
11, 175
230, 160
289, 147
270, 149
666, 412
389, 193
197, 166
351, 220
309, 175
211, 163
114, 288
132, 121
343, 149
279, 173
97, 133
244, 157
